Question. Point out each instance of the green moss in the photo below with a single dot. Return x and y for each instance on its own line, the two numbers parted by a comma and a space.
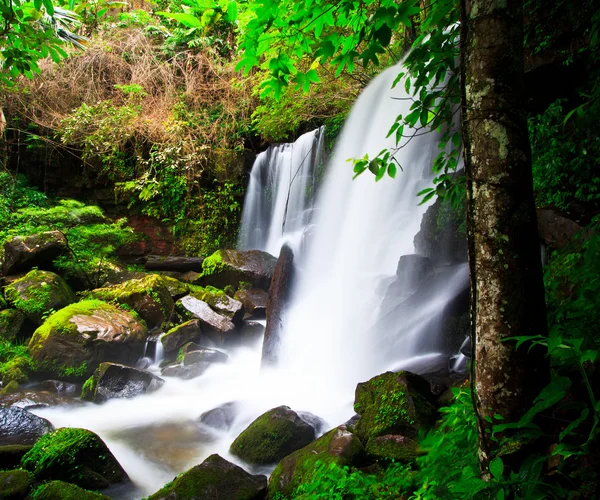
211, 295
392, 448
213, 264
176, 288
89, 388
14, 484
3, 304
74, 455
59, 490
11, 322
16, 370
12, 386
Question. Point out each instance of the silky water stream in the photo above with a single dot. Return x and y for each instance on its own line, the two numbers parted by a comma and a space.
333, 334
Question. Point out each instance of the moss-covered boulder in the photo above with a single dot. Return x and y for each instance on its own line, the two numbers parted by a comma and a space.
75, 340
11, 455
392, 407
211, 322
111, 380
21, 253
11, 321
180, 335
272, 436
39, 292
148, 296
220, 302
214, 478
16, 370
59, 490
76, 456
338, 446
18, 426
230, 267
176, 288
14, 484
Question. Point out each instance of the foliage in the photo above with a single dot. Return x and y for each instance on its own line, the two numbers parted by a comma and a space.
566, 158
92, 238
15, 362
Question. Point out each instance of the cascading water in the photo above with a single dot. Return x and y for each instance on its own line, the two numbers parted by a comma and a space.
280, 193
332, 335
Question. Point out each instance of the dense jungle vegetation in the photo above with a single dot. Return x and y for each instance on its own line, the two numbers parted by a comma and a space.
163, 105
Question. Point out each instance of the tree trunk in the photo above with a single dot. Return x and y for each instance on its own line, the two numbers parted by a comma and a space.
504, 252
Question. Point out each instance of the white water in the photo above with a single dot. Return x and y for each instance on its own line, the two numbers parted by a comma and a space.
329, 344
280, 193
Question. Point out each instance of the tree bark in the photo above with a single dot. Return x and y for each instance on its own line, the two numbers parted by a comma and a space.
504, 252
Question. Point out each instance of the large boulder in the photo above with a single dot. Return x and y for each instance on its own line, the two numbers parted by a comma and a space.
338, 446
211, 322
231, 267
214, 478
279, 296
176, 288
221, 417
14, 484
392, 408
11, 322
28, 400
59, 490
176, 337
442, 236
148, 296
254, 301
39, 292
76, 456
272, 436
18, 426
21, 253
75, 340
111, 380
193, 361
204, 355
220, 302
173, 263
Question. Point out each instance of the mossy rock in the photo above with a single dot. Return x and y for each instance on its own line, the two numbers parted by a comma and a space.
75, 340
231, 267
76, 456
12, 386
392, 448
11, 321
21, 253
214, 478
16, 370
177, 289
11, 455
59, 490
14, 484
219, 301
39, 292
392, 404
149, 297
272, 436
178, 336
338, 446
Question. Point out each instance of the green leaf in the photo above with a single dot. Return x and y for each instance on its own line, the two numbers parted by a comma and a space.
232, 11
186, 19
49, 7
497, 468
392, 170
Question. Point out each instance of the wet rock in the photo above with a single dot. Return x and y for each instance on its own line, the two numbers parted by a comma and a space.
143, 363
209, 319
442, 236
272, 436
338, 446
191, 277
254, 301
180, 335
118, 277
149, 297
171, 263
58, 386
393, 404
250, 332
19, 426
59, 490
317, 423
11, 322
75, 456
392, 448
230, 267
75, 340
112, 381
39, 292
28, 400
11, 455
279, 296
556, 229
412, 272
220, 417
177, 289
204, 355
21, 253
214, 478
220, 302
178, 370
14, 484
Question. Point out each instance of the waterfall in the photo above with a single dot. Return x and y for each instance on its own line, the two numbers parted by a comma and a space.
280, 193
336, 333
